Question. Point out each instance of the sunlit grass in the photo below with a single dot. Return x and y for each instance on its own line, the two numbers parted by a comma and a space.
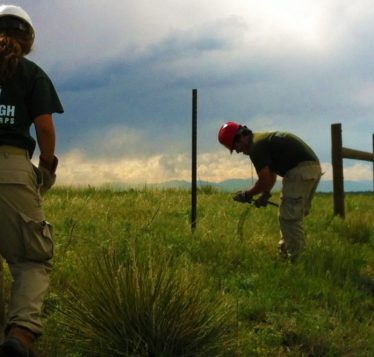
143, 306
321, 306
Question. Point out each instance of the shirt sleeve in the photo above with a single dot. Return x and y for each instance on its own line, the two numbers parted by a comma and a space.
260, 157
44, 98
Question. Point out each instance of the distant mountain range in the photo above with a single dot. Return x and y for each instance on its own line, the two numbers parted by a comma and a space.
240, 184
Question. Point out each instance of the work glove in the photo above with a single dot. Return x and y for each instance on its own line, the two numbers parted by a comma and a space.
48, 172
262, 201
242, 197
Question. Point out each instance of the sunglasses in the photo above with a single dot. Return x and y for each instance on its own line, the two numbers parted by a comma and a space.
236, 140
238, 136
12, 23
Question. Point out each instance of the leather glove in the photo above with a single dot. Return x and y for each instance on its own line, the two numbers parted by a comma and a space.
242, 197
48, 171
262, 201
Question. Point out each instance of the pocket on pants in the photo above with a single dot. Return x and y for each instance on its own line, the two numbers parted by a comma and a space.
37, 239
291, 208
38, 176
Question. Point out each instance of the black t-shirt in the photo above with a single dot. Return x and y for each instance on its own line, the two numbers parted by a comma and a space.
280, 151
28, 94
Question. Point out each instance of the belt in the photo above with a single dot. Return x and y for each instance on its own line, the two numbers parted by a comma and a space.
13, 150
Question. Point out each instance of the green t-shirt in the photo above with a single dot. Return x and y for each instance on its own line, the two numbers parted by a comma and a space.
28, 94
280, 151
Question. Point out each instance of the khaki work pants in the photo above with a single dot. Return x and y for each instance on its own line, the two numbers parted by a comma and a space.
25, 237
299, 186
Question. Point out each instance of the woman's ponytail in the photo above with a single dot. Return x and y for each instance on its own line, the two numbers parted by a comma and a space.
13, 46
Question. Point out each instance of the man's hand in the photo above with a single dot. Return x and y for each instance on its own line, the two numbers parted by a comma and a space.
242, 197
48, 171
262, 201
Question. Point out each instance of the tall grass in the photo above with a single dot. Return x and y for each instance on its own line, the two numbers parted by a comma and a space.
143, 306
156, 268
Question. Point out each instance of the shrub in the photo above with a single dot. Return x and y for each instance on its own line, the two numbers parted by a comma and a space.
143, 307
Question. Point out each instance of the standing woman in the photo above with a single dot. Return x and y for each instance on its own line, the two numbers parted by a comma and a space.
27, 97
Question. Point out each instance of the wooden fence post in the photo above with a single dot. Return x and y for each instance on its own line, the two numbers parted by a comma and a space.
338, 153
337, 169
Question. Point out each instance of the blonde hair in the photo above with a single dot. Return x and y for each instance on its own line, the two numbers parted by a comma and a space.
14, 44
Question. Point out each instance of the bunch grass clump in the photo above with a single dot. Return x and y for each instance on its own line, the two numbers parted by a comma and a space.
142, 307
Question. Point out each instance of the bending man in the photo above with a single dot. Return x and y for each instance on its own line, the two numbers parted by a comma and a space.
286, 155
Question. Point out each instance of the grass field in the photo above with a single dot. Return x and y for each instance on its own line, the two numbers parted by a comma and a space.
130, 279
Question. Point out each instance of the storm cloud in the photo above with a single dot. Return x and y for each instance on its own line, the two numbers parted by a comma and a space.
125, 70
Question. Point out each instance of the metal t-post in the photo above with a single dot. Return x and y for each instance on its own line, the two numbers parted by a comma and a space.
194, 159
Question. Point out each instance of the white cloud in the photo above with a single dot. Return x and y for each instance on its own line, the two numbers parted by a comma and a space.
358, 172
351, 172
76, 168
222, 166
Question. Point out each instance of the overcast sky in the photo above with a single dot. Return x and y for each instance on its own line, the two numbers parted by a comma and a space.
125, 70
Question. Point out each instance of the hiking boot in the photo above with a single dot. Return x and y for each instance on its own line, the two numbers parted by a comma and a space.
19, 342
282, 250
284, 253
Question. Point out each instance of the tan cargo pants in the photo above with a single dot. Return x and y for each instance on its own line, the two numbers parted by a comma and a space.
299, 186
25, 237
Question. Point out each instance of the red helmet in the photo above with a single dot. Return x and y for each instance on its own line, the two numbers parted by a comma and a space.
227, 134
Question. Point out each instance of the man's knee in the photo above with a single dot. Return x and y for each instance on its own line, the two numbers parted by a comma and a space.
291, 208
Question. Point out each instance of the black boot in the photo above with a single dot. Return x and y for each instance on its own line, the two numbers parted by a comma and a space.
19, 342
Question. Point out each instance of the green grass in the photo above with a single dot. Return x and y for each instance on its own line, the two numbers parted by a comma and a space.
219, 292
145, 307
